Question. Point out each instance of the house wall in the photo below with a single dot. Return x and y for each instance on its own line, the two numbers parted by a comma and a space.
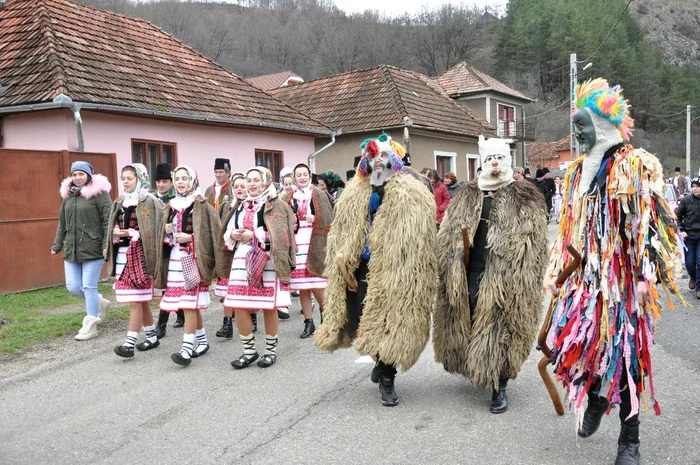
197, 145
424, 146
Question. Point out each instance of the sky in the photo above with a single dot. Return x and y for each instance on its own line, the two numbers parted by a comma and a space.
398, 7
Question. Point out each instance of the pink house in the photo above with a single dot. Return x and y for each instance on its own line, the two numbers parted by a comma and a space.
83, 79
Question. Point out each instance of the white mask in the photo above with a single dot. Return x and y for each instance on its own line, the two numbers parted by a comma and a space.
496, 163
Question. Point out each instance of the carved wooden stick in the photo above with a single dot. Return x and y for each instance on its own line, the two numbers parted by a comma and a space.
546, 325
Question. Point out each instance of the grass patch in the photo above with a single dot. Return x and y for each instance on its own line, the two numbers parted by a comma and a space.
22, 323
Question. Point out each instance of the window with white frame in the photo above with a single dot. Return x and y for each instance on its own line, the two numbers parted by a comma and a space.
445, 162
473, 163
506, 120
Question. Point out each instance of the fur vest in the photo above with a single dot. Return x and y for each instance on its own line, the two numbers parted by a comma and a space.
206, 226
148, 212
499, 339
395, 323
280, 223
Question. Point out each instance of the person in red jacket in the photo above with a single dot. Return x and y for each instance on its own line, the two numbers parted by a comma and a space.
442, 196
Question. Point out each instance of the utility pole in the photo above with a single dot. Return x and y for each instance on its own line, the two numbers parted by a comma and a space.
687, 140
573, 78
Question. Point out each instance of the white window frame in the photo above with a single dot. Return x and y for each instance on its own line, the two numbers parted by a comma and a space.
451, 155
499, 129
473, 156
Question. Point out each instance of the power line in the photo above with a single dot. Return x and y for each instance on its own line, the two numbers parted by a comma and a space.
548, 111
609, 33
664, 116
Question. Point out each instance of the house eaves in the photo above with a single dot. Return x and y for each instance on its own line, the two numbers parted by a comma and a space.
483, 90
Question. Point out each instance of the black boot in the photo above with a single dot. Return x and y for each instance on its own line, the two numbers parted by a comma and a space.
499, 398
628, 446
376, 373
180, 321
597, 406
254, 319
309, 328
227, 328
162, 324
387, 391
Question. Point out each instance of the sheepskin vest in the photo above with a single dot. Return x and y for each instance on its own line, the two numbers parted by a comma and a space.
206, 226
498, 340
148, 212
395, 323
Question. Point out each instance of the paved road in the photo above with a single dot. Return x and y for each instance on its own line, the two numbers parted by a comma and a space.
77, 403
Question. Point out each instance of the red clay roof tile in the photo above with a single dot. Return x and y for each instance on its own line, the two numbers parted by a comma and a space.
49, 47
465, 79
272, 81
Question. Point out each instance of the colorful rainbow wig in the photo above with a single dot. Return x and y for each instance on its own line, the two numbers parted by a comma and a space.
372, 147
607, 102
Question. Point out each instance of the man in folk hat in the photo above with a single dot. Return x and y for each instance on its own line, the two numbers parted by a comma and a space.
164, 192
220, 191
680, 182
489, 299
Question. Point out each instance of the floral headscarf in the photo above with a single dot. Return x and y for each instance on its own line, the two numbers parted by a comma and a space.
268, 191
143, 184
184, 200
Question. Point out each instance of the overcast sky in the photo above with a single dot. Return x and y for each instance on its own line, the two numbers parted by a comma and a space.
397, 7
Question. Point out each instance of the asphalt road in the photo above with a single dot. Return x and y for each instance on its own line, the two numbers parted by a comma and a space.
70, 402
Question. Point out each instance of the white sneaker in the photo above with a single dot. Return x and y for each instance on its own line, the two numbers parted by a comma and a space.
89, 329
104, 306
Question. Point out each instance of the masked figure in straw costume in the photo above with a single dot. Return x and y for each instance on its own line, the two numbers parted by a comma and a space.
488, 306
382, 237
615, 214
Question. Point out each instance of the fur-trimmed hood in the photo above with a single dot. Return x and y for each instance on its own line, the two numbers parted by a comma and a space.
98, 185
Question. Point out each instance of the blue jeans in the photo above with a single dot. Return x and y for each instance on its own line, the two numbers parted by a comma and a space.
81, 280
692, 258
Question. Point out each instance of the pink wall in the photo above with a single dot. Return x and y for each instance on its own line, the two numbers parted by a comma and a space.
197, 145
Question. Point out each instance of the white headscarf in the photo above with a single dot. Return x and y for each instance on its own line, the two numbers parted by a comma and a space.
182, 201
143, 185
268, 191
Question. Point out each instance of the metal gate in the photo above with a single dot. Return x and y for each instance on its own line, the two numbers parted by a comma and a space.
29, 207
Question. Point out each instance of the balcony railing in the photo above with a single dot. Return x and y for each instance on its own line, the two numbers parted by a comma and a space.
519, 130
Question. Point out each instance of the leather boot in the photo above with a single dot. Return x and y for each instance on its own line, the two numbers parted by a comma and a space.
499, 398
628, 446
376, 373
162, 324
597, 406
309, 328
227, 328
180, 321
254, 320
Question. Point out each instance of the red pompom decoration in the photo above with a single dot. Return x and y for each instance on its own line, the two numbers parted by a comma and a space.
372, 150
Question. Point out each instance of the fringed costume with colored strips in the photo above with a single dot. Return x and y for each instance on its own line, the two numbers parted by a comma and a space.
600, 332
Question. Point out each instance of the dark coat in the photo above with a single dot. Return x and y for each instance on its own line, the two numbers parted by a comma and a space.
688, 215
83, 221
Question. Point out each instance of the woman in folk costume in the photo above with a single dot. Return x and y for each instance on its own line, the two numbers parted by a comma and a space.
615, 214
488, 309
382, 237
314, 213
132, 255
188, 233
256, 246
239, 195
83, 223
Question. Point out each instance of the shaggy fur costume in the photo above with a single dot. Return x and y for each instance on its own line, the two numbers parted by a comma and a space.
395, 323
507, 314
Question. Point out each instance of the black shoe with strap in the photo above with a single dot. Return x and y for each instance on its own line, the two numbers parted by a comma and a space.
124, 351
628, 446
226, 329
309, 328
267, 360
147, 345
499, 398
244, 361
597, 406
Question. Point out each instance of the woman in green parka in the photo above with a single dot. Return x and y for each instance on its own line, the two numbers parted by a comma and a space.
82, 235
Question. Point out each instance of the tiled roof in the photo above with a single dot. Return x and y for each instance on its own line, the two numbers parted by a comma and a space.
272, 81
547, 150
381, 97
465, 79
52, 47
